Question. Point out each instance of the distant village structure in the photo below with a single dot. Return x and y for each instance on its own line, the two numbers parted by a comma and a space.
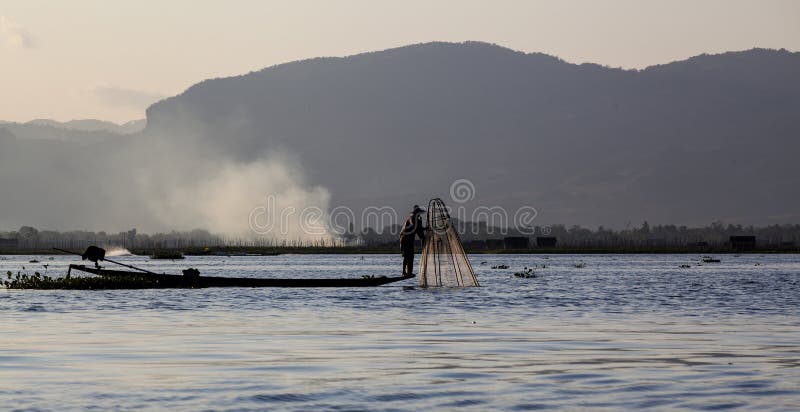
743, 243
9, 243
516, 243
546, 241
495, 244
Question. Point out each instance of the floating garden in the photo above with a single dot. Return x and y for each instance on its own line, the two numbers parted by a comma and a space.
22, 280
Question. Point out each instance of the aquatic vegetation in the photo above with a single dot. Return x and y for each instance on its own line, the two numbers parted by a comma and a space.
22, 280
526, 273
171, 255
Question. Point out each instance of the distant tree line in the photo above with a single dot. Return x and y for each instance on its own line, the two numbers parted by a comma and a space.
644, 235
30, 238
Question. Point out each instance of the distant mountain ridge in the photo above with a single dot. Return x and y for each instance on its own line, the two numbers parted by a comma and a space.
689, 141
87, 131
82, 125
93, 125
713, 137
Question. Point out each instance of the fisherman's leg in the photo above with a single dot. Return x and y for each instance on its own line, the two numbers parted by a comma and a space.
408, 264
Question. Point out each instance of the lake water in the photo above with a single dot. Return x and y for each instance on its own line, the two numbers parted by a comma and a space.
623, 332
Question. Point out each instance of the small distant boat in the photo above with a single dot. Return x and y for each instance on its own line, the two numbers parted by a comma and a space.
709, 259
167, 255
33, 261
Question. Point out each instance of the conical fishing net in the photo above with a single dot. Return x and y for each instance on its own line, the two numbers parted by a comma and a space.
444, 262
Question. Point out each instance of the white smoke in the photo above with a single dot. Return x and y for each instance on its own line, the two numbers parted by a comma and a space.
224, 201
16, 36
118, 251
156, 183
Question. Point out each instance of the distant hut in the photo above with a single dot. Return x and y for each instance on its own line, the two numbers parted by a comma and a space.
743, 243
475, 245
546, 241
699, 244
516, 242
494, 244
9, 243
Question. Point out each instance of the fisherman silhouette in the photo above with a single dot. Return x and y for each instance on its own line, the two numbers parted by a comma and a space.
411, 228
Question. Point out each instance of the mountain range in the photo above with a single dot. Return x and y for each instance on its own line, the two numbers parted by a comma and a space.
55, 130
713, 137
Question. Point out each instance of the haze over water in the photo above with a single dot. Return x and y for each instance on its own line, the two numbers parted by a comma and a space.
632, 331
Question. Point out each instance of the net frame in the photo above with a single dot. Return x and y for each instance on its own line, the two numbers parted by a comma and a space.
444, 262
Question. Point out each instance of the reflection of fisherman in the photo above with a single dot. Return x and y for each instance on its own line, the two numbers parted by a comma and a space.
412, 227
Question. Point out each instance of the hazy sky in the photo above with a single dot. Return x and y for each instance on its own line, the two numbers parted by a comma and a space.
111, 59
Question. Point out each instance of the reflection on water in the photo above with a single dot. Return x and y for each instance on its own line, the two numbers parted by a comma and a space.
623, 332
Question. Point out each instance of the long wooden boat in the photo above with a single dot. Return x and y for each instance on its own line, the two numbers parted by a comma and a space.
180, 281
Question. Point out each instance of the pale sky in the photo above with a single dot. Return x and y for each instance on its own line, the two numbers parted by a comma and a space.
110, 59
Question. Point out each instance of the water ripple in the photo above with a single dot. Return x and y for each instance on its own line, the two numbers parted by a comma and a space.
625, 332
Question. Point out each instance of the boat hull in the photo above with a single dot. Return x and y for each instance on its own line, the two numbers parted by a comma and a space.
180, 281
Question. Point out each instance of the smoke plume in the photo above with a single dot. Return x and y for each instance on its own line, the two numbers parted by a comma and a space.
180, 180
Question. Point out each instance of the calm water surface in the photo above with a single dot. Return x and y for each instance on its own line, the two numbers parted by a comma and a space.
624, 332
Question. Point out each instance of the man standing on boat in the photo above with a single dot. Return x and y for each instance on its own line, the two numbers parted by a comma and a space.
411, 229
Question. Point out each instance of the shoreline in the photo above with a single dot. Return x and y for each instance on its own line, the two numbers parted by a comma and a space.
274, 251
